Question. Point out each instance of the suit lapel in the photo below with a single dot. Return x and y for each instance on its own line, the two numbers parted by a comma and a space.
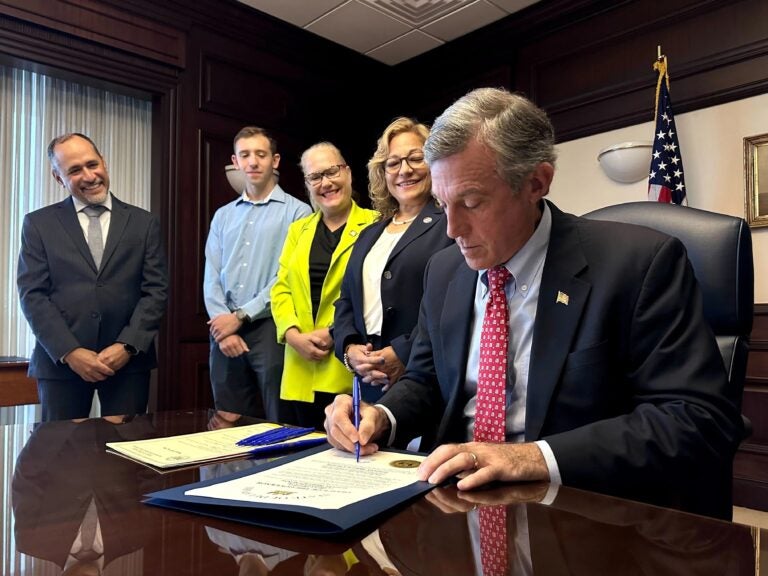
455, 324
302, 250
356, 275
427, 218
68, 218
355, 223
118, 221
562, 298
358, 219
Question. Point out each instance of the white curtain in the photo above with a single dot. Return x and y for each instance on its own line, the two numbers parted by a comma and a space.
33, 110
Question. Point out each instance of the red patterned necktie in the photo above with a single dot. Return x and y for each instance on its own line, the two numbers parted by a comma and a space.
490, 407
490, 413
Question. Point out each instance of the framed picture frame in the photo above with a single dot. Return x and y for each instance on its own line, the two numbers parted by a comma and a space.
756, 179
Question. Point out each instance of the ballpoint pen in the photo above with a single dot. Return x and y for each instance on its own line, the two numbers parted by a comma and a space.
298, 444
356, 411
273, 435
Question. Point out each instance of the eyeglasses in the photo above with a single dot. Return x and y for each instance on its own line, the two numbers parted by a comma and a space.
331, 172
414, 160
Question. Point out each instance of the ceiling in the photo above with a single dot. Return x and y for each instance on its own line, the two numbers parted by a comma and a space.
390, 31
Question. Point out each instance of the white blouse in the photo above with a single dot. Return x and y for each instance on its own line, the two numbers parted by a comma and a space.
373, 267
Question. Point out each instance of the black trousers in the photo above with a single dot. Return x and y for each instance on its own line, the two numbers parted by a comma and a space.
123, 393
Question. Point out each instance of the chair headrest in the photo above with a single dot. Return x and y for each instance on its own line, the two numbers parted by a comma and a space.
719, 248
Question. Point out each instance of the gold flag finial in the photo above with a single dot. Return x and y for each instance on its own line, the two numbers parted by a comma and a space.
660, 65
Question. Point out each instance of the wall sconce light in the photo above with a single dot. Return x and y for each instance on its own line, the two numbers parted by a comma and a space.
626, 162
236, 178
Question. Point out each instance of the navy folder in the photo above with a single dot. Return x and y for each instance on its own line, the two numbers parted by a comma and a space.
291, 518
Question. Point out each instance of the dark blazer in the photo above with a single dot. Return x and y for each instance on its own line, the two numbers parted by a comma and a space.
401, 283
626, 382
69, 303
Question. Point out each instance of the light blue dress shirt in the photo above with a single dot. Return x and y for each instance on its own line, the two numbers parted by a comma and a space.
522, 291
243, 249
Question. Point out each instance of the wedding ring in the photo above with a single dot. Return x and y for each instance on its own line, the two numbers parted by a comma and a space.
474, 460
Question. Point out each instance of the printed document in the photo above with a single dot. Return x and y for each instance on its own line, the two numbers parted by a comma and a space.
330, 479
176, 451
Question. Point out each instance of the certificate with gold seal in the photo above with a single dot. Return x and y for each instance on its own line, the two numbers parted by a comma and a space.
319, 491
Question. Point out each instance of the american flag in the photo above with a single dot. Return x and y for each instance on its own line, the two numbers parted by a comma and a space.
666, 182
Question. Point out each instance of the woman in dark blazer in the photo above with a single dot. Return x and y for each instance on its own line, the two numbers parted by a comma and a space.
380, 295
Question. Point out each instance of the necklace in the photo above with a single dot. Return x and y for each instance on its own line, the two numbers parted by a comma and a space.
401, 222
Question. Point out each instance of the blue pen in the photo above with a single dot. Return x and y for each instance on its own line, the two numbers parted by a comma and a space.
274, 435
356, 411
271, 448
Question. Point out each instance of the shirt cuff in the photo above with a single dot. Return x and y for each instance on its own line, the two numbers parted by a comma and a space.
549, 458
392, 424
551, 494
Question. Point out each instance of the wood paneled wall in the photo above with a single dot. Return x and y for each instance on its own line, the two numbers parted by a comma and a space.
212, 66
750, 472
589, 63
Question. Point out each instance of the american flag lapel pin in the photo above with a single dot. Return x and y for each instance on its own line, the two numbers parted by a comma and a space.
562, 298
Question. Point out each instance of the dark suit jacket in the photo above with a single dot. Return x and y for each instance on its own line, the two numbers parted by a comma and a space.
68, 303
401, 284
626, 383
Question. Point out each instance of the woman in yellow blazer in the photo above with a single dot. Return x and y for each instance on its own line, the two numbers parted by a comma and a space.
312, 266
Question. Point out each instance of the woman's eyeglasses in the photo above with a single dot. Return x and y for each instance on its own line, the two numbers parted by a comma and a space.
415, 160
331, 172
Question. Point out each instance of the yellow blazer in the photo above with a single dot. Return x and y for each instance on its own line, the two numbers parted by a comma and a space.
292, 305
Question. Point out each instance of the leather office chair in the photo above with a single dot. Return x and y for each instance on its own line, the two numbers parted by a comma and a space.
720, 250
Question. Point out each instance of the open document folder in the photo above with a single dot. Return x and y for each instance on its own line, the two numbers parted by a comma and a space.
165, 454
318, 491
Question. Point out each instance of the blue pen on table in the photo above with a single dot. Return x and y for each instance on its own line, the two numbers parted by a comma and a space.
356, 411
274, 435
305, 443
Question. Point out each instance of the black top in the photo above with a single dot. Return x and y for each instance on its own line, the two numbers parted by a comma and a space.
323, 245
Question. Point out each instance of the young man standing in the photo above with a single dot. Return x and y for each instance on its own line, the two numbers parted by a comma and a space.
241, 261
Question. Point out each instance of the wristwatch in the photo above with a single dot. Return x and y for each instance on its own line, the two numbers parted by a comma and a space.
130, 349
241, 315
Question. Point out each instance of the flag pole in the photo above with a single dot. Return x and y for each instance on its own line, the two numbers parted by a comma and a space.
666, 181
660, 65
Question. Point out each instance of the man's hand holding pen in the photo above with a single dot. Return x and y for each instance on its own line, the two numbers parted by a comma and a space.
341, 431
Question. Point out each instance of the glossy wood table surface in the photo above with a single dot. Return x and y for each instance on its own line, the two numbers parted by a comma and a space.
53, 470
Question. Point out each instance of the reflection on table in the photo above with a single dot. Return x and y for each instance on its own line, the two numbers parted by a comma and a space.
61, 477
74, 505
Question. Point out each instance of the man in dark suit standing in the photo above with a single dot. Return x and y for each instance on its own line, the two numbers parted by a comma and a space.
93, 286
608, 376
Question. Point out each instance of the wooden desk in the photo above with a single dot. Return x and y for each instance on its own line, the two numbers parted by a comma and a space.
16, 387
62, 466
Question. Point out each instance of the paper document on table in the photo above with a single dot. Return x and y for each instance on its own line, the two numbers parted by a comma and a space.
186, 449
318, 491
326, 480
